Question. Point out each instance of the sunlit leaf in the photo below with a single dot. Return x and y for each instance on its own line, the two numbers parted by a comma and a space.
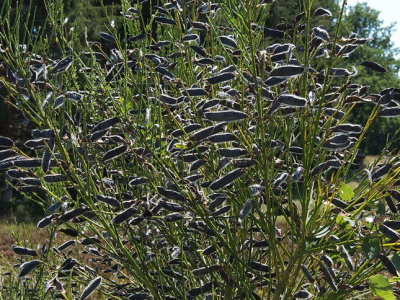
181, 146
345, 192
380, 286
344, 222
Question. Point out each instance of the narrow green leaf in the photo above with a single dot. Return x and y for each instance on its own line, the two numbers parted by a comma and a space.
380, 286
345, 192
322, 231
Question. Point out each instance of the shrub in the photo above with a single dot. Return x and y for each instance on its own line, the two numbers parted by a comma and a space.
210, 162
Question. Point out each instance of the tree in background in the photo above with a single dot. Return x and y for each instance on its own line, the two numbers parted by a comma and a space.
364, 21
282, 10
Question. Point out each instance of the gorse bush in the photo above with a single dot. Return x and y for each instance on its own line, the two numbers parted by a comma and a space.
216, 161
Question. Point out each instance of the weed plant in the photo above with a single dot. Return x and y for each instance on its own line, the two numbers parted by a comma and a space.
207, 156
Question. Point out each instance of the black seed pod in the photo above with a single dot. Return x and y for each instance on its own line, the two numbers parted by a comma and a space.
226, 115
206, 132
246, 209
197, 164
390, 233
4, 154
287, 71
113, 153
199, 50
62, 65
24, 251
109, 200
226, 179
257, 266
168, 99
170, 206
220, 78
209, 250
73, 213
125, 215
107, 37
27, 267
292, 100
205, 288
195, 92
173, 217
66, 245
319, 12
388, 264
6, 142
328, 278
228, 41
170, 194
69, 231
166, 21
221, 211
216, 202
90, 288
52, 178
307, 273
207, 270
395, 225
347, 258
97, 135
391, 205
46, 221
105, 124
374, 66
302, 295
28, 163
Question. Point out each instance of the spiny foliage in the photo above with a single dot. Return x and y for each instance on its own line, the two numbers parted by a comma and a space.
207, 162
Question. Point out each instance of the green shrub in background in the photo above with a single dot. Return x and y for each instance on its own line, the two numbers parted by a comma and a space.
225, 167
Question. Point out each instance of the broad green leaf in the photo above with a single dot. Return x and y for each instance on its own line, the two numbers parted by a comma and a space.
380, 286
396, 260
381, 208
345, 192
371, 248
345, 222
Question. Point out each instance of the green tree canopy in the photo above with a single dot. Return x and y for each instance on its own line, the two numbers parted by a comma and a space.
365, 22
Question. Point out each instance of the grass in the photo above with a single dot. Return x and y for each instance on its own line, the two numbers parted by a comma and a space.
24, 233
116, 150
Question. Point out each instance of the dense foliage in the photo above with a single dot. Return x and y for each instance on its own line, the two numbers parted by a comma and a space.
202, 153
87, 18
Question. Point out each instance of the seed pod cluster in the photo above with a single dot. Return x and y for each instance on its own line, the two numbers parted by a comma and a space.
201, 163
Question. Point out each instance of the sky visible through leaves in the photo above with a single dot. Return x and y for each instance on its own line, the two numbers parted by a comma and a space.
389, 13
